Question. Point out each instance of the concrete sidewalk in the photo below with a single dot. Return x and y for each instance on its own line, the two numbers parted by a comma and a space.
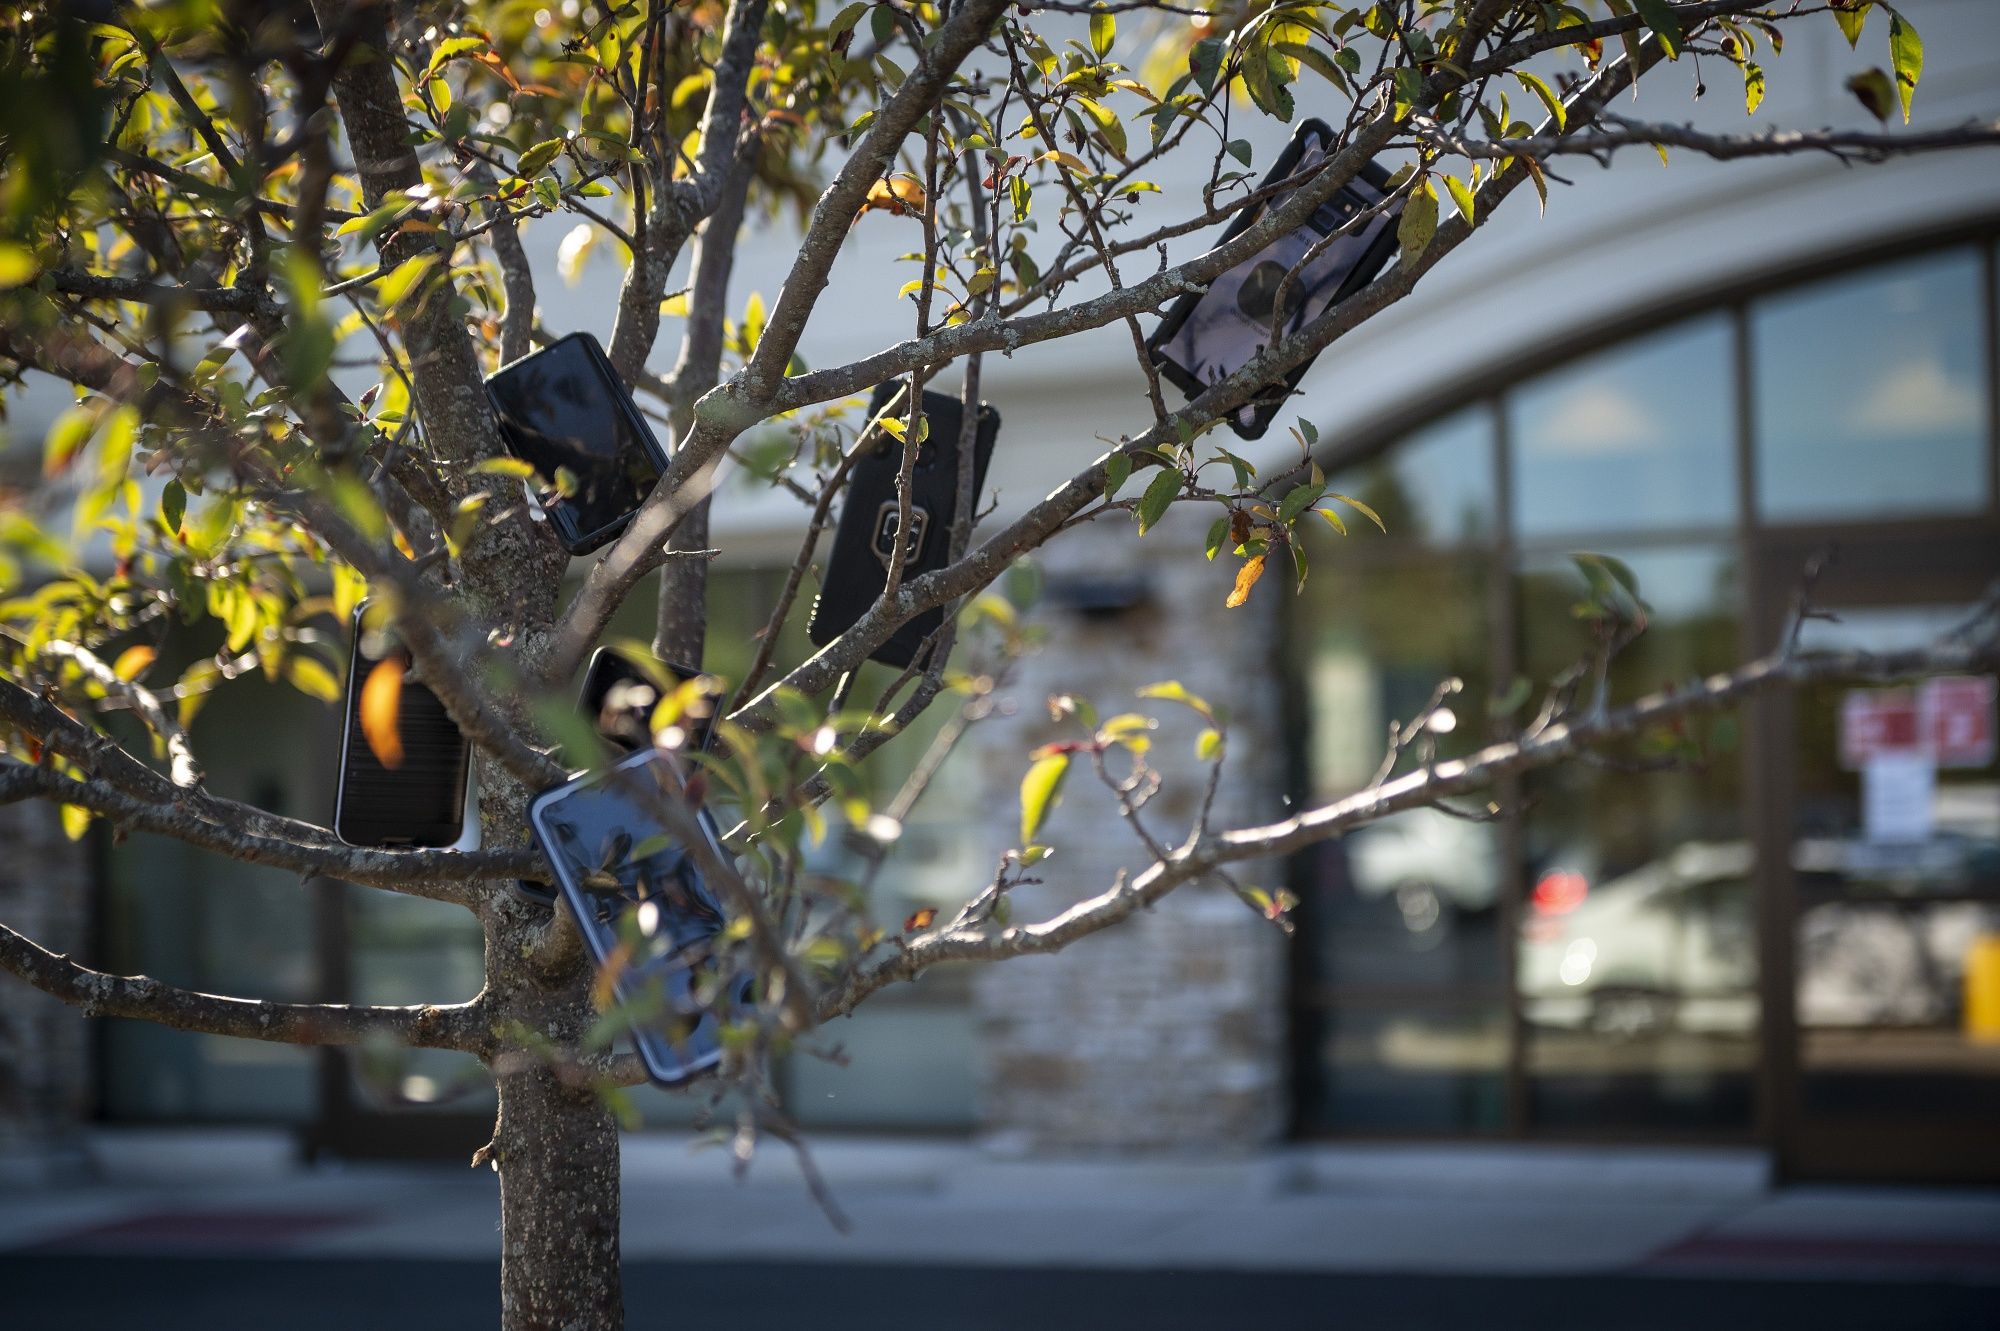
1514, 1210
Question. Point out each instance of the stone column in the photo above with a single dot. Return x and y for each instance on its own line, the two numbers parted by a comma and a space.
1166, 1032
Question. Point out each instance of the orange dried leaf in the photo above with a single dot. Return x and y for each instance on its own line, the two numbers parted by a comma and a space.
920, 920
897, 196
132, 662
381, 700
1246, 578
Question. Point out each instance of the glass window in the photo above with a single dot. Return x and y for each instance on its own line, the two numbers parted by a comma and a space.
1638, 437
1637, 959
1435, 484
1870, 396
1411, 1070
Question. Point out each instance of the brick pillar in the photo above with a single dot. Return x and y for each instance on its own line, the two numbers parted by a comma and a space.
44, 1049
1166, 1032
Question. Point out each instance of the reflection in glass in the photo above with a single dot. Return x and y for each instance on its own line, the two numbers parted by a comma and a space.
1637, 960
1870, 393
1413, 1069
1435, 484
1635, 438
1895, 936
1412, 899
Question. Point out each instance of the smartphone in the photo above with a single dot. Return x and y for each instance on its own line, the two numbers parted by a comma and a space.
1207, 336
620, 693
864, 540
420, 801
618, 697
564, 412
643, 908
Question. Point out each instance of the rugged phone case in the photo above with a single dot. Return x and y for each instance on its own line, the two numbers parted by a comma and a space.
623, 721
641, 905
626, 720
564, 407
864, 540
1208, 335
420, 801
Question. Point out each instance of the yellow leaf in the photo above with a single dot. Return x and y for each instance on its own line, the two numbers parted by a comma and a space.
75, 821
17, 265
1041, 791
1246, 578
381, 700
132, 662
311, 678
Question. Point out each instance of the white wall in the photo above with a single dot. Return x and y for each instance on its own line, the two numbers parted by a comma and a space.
1614, 242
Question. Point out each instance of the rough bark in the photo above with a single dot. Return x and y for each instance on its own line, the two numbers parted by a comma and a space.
556, 1149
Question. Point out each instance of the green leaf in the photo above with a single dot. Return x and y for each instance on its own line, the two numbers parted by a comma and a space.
1871, 87
1409, 85
1103, 27
1753, 86
1850, 21
311, 678
845, 20
1333, 520
535, 159
1461, 195
1906, 55
1301, 498
173, 506
1418, 224
1218, 532
17, 264
1659, 16
515, 467
1107, 124
1172, 690
1364, 511
1117, 470
450, 47
66, 438
1161, 492
1041, 791
405, 279
1557, 112
1205, 62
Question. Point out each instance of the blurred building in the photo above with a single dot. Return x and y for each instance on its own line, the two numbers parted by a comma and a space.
1714, 373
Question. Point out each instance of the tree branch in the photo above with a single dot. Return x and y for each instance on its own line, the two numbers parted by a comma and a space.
460, 1026
440, 875
1422, 787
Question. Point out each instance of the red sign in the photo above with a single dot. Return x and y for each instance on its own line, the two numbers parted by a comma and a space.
1950, 720
1958, 719
1874, 722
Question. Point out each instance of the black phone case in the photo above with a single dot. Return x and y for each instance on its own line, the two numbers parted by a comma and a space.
1254, 417
670, 1059
864, 539
624, 728
629, 727
422, 801
562, 514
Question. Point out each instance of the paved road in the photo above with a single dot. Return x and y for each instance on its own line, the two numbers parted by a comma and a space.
132, 1293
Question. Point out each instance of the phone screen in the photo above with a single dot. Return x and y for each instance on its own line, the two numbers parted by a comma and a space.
1233, 320
563, 412
642, 906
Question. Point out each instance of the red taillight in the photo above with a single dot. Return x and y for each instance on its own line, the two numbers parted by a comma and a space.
1559, 892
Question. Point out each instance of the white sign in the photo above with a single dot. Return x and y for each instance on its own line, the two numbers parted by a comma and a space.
1897, 796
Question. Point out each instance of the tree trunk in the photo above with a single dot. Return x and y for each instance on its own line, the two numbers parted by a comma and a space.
557, 1149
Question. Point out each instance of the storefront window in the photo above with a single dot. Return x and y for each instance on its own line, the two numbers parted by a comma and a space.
1870, 393
1637, 438
1636, 963
1436, 486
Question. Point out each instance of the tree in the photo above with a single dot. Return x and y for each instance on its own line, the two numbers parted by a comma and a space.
211, 213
